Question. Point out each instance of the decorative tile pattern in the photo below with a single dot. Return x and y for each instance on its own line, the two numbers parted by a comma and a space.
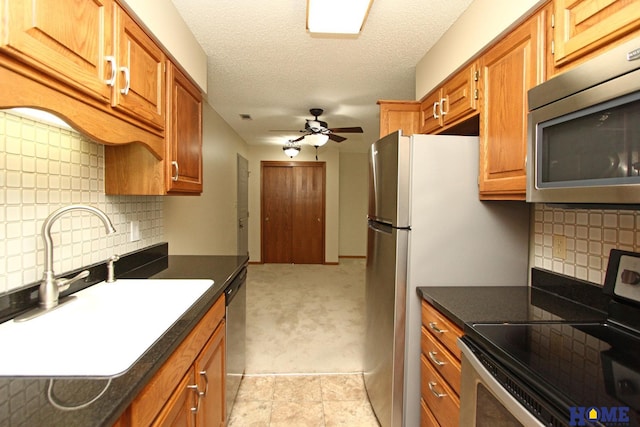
302, 400
44, 167
590, 236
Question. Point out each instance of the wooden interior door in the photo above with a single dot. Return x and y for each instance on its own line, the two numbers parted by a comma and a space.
277, 187
293, 206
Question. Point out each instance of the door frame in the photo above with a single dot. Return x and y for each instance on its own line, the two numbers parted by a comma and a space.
275, 163
242, 205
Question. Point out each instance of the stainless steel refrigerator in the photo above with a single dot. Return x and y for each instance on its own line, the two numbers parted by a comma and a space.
427, 227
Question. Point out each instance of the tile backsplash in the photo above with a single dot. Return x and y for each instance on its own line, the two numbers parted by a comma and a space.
44, 167
589, 234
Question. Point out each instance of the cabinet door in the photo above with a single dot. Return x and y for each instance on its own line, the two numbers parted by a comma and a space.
431, 113
184, 156
66, 39
459, 95
582, 26
210, 373
139, 90
179, 410
395, 115
509, 69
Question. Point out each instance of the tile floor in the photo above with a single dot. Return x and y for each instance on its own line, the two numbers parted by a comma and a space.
302, 401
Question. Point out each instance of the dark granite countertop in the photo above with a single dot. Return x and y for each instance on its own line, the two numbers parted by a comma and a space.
29, 401
549, 298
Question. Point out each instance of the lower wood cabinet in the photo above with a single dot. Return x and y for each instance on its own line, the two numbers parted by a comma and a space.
179, 409
189, 389
210, 381
440, 370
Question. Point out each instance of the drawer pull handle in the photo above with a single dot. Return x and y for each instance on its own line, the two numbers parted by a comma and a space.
194, 387
111, 81
127, 80
434, 328
206, 384
432, 387
432, 356
175, 176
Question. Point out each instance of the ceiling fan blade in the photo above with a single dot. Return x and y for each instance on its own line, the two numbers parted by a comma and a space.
356, 129
336, 138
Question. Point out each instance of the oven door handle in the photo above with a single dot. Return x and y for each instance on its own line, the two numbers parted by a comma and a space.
470, 361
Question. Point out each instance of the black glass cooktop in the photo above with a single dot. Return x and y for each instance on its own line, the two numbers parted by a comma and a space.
575, 367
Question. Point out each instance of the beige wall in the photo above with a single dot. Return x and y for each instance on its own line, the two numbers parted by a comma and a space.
327, 154
354, 197
163, 20
207, 224
482, 22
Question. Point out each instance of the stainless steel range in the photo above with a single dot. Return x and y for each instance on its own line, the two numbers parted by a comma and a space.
555, 373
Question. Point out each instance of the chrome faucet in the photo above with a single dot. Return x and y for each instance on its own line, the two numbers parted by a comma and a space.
50, 287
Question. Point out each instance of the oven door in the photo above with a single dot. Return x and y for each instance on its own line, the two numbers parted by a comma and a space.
484, 401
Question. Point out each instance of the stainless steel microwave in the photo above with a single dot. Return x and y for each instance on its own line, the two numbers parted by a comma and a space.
584, 132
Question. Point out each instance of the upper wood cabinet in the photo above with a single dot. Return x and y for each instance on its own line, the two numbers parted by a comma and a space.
140, 77
183, 162
70, 41
93, 65
62, 57
508, 69
399, 115
453, 102
583, 28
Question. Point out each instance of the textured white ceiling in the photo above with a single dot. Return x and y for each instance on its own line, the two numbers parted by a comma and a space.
263, 62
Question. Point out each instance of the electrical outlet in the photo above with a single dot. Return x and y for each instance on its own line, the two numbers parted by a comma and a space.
559, 246
134, 231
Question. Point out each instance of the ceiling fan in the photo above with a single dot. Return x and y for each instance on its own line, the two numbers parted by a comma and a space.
318, 127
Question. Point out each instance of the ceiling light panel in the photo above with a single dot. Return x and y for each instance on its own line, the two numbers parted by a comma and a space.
337, 16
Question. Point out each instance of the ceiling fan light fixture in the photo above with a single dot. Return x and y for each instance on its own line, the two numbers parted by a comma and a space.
337, 16
316, 139
291, 149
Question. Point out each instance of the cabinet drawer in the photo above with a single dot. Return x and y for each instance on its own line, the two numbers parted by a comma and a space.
441, 328
439, 397
441, 360
426, 417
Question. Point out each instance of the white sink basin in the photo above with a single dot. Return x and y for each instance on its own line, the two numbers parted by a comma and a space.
100, 334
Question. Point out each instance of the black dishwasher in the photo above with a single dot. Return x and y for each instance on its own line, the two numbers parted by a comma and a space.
236, 321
